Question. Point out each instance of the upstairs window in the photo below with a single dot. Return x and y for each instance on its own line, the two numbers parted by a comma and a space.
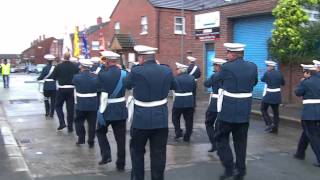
117, 27
144, 25
179, 25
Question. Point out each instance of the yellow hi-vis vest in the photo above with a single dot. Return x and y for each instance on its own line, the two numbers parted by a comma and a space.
5, 69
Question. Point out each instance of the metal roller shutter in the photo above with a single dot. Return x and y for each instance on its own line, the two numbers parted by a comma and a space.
255, 32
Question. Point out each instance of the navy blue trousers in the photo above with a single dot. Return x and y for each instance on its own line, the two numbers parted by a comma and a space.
240, 135
158, 147
310, 135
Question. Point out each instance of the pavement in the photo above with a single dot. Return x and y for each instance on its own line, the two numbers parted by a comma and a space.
51, 155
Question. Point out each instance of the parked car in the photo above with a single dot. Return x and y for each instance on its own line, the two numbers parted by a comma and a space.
13, 70
31, 68
39, 68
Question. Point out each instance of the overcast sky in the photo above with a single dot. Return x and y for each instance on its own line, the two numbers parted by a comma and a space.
22, 21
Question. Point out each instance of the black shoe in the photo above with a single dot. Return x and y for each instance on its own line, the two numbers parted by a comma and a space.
212, 150
47, 114
70, 130
186, 138
299, 157
226, 177
91, 145
105, 161
316, 164
268, 128
61, 127
273, 131
239, 177
120, 168
78, 143
179, 135
51, 115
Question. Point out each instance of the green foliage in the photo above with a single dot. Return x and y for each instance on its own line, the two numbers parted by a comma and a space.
288, 42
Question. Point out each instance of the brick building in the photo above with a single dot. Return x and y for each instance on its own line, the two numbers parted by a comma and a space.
195, 27
40, 47
96, 36
13, 59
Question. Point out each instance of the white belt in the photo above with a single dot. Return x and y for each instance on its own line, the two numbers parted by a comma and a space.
311, 101
116, 100
151, 104
237, 95
273, 90
87, 95
47, 80
66, 86
183, 94
216, 96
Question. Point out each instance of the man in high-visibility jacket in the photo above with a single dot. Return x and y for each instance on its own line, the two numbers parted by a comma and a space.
5, 71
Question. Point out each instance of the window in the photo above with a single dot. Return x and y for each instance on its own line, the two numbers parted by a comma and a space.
117, 27
144, 25
313, 15
179, 25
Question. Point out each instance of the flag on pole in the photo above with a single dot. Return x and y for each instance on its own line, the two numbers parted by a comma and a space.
76, 49
67, 45
85, 50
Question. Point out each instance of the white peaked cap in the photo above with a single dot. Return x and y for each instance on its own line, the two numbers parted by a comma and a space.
134, 62
308, 67
316, 62
110, 55
181, 66
271, 63
73, 59
234, 47
190, 58
81, 57
49, 57
95, 59
85, 62
142, 49
218, 61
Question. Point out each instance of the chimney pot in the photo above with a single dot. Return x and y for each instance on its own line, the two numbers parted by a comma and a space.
99, 20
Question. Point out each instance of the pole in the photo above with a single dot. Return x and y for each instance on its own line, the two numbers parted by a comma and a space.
182, 35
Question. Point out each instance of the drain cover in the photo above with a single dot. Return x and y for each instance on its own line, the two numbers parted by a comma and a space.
23, 101
25, 141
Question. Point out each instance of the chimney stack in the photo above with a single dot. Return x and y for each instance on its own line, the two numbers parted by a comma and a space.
43, 37
99, 20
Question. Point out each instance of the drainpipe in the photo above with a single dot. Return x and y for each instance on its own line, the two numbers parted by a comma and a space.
182, 35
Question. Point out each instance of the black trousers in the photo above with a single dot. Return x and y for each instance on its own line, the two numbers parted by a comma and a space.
49, 101
119, 130
266, 117
91, 117
210, 127
195, 95
5, 81
188, 117
239, 134
158, 148
65, 95
310, 134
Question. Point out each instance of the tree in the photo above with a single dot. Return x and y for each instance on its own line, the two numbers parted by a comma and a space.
287, 41
287, 37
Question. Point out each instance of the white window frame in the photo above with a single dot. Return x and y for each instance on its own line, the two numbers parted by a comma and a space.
312, 15
117, 27
183, 32
144, 25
